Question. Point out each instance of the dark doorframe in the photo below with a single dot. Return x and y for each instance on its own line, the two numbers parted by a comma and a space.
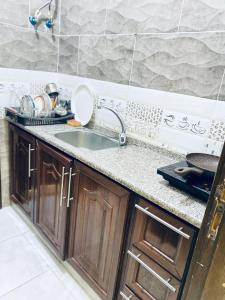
208, 240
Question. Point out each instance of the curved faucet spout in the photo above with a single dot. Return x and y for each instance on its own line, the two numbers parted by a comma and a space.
122, 135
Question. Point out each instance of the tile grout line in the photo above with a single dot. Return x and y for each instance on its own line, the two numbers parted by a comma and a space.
29, 12
145, 33
181, 13
59, 31
12, 237
57, 61
106, 16
78, 55
60, 13
23, 284
115, 34
132, 63
221, 84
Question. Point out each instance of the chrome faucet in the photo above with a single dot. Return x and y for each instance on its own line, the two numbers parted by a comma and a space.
122, 134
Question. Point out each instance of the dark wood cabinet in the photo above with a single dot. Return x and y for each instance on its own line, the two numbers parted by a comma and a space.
157, 254
84, 215
96, 232
148, 280
162, 236
23, 165
53, 174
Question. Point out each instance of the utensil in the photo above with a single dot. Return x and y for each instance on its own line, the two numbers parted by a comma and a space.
61, 111
51, 88
199, 164
52, 91
82, 104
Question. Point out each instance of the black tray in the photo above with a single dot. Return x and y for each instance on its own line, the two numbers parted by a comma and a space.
28, 121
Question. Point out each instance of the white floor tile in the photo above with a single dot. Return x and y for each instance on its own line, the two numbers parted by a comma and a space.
28, 270
45, 287
19, 262
8, 227
23, 227
70, 283
42, 250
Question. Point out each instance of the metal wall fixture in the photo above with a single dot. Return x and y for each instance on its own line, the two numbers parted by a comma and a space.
49, 20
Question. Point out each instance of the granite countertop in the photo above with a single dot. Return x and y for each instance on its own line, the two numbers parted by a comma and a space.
134, 167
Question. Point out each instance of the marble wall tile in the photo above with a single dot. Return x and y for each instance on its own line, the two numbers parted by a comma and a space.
190, 64
15, 12
21, 49
143, 16
202, 15
68, 54
83, 16
36, 4
106, 57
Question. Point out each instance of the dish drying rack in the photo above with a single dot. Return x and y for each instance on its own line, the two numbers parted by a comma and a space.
14, 114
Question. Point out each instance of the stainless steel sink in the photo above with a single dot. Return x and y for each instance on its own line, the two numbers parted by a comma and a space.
88, 139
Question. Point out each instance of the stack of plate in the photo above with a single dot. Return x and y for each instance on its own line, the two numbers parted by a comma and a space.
40, 106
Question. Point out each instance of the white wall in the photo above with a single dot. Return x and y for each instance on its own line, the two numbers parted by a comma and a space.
180, 122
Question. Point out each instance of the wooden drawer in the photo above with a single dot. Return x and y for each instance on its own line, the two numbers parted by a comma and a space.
127, 294
162, 237
148, 280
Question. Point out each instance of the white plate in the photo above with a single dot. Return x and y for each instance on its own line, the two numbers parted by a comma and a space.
39, 104
82, 104
48, 103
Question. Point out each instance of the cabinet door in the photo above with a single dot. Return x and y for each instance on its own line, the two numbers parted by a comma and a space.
148, 280
22, 169
52, 190
96, 231
162, 237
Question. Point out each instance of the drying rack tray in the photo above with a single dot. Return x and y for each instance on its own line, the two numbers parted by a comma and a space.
15, 115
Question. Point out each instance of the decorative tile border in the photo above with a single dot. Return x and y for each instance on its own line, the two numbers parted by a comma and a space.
187, 123
143, 119
217, 131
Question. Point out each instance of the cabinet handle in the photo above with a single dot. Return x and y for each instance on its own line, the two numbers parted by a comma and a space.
124, 296
29, 160
150, 270
69, 187
175, 229
62, 186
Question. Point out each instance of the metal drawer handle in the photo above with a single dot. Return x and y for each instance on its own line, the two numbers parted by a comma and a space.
29, 160
150, 270
175, 229
62, 186
69, 187
124, 296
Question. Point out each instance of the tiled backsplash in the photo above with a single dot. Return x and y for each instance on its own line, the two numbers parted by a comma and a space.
170, 45
179, 122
